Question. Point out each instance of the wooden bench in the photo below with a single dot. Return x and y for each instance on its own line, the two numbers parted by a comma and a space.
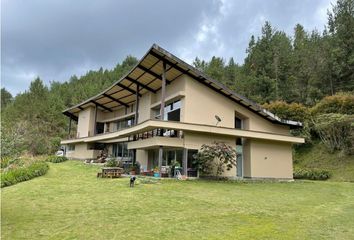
112, 172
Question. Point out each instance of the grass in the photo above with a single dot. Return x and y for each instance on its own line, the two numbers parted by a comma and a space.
341, 166
70, 203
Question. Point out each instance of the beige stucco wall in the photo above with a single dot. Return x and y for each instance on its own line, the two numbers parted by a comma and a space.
101, 116
176, 86
203, 103
144, 107
81, 152
86, 122
246, 158
270, 159
142, 158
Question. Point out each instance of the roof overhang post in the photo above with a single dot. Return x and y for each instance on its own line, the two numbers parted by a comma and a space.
163, 91
69, 130
95, 122
160, 159
137, 104
185, 162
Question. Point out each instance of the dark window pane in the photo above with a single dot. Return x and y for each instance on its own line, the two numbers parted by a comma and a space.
99, 128
238, 123
174, 115
190, 158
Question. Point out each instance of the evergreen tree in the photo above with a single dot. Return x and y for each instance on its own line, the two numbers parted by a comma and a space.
6, 98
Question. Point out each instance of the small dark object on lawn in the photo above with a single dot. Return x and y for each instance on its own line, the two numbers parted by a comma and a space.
132, 180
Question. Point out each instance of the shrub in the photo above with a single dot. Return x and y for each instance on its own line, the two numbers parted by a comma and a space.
311, 174
288, 111
340, 103
335, 131
56, 159
111, 163
24, 173
5, 161
212, 160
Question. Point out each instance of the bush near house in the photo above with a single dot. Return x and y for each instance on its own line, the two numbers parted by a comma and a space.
288, 111
336, 131
56, 159
212, 160
342, 103
16, 173
311, 174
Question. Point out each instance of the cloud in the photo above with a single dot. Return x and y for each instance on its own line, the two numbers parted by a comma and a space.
56, 39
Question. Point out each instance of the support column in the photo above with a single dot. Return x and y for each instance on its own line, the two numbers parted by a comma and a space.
136, 105
69, 126
163, 91
95, 123
185, 161
160, 158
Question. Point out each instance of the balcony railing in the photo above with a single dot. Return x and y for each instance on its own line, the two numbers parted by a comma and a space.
159, 132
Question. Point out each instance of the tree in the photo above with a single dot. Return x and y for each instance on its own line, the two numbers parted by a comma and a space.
214, 159
341, 30
6, 98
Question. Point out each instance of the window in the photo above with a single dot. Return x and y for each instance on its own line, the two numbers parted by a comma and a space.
96, 146
122, 124
99, 127
170, 157
121, 150
190, 158
71, 147
172, 111
238, 123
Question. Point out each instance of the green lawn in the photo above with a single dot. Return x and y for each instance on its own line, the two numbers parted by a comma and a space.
70, 203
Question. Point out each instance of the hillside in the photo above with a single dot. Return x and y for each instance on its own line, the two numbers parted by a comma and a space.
316, 156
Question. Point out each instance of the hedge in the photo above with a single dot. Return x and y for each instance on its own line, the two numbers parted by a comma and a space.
20, 174
56, 159
311, 174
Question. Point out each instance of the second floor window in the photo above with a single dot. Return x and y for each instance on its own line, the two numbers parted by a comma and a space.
122, 124
172, 111
238, 123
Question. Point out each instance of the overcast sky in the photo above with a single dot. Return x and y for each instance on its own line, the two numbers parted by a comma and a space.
55, 39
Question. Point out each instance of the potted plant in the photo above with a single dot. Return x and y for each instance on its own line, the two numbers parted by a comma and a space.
156, 172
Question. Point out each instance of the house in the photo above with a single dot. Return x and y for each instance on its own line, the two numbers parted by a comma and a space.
163, 110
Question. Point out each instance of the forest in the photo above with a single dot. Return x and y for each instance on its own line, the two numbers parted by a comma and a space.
306, 76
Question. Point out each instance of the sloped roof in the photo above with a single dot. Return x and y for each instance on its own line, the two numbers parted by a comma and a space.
148, 74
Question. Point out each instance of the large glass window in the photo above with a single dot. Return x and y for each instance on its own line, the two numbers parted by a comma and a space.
173, 111
121, 150
170, 157
122, 124
71, 147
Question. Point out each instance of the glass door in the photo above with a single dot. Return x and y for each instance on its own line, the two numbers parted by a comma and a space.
239, 158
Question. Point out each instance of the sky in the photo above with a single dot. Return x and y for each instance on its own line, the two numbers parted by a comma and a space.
55, 39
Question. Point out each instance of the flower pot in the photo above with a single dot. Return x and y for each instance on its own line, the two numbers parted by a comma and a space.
156, 175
